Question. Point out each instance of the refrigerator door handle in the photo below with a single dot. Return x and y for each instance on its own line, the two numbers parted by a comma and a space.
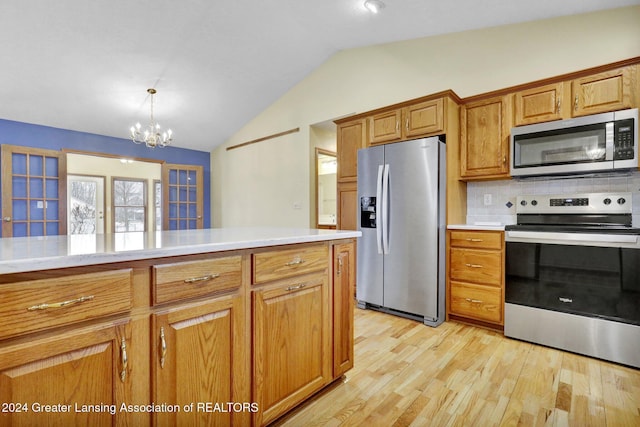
378, 208
385, 209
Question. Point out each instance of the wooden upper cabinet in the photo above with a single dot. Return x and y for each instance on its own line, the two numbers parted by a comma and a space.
351, 136
602, 92
412, 121
540, 104
385, 127
484, 136
424, 118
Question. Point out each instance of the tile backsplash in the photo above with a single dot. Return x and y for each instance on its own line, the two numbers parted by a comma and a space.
495, 201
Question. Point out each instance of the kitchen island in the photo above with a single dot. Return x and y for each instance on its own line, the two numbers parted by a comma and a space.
223, 326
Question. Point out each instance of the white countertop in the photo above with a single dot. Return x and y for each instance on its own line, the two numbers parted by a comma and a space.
21, 254
477, 226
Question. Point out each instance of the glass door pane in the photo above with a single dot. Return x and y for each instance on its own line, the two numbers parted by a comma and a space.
85, 204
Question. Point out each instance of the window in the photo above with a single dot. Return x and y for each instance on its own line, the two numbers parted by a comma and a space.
129, 205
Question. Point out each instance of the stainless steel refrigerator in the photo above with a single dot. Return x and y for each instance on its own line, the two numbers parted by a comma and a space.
401, 260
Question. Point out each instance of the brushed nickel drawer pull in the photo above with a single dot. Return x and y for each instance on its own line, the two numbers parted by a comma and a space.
474, 240
474, 265
296, 261
45, 306
163, 348
575, 104
565, 300
473, 300
202, 278
339, 266
125, 360
296, 287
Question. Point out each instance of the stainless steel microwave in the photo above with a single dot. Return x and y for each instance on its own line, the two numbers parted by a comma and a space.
599, 143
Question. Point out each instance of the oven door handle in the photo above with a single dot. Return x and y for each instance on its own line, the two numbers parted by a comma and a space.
560, 238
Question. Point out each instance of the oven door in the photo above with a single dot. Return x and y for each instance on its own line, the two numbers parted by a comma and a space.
589, 275
575, 293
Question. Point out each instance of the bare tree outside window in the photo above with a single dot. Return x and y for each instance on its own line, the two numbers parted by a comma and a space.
129, 207
83, 212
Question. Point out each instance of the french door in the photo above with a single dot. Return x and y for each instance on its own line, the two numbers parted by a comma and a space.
182, 197
33, 192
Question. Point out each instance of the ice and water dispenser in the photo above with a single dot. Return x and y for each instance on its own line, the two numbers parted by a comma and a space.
368, 212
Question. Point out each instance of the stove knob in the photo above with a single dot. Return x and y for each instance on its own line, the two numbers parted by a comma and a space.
621, 201
534, 202
523, 203
607, 201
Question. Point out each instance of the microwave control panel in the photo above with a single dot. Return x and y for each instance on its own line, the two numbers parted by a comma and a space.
624, 143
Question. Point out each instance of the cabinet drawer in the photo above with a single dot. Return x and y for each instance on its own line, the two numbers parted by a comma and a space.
476, 239
476, 265
40, 304
278, 264
476, 301
172, 282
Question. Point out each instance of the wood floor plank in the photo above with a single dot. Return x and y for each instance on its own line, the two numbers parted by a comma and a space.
409, 374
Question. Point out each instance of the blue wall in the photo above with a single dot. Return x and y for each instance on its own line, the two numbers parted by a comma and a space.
30, 135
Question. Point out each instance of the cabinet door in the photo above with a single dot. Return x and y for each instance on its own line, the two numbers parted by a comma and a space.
351, 136
34, 192
385, 127
599, 93
424, 118
484, 134
540, 104
344, 286
292, 347
182, 195
347, 206
199, 355
68, 372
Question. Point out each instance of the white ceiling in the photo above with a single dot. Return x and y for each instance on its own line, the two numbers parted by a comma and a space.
86, 64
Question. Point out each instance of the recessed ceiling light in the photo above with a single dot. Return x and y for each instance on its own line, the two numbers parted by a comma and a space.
374, 6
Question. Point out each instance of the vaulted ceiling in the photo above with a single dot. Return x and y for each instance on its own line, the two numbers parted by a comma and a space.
86, 65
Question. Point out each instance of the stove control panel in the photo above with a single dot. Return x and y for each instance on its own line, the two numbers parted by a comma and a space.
606, 203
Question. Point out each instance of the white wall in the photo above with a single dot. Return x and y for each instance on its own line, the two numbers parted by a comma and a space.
259, 184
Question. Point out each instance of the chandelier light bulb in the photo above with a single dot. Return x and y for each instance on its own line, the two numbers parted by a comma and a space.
374, 6
151, 136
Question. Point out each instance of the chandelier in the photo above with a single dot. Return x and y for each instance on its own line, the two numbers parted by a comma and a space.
151, 136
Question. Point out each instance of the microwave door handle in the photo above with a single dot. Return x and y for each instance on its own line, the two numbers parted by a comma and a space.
609, 140
379, 217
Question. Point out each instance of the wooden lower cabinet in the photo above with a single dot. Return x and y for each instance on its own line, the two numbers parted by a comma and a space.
344, 288
53, 381
475, 277
291, 343
199, 359
258, 329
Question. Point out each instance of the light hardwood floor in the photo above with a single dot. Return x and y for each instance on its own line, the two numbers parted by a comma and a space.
408, 374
